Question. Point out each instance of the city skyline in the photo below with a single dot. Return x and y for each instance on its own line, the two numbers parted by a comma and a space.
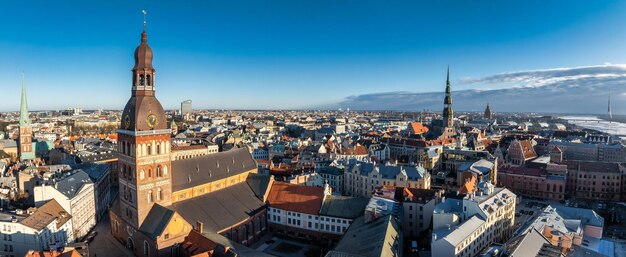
406, 48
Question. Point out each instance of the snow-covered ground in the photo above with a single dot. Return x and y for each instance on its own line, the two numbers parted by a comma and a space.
591, 122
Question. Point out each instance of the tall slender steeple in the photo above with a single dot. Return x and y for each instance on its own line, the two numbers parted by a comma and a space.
26, 132
609, 110
448, 114
24, 118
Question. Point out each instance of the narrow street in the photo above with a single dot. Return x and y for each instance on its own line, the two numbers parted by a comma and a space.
104, 244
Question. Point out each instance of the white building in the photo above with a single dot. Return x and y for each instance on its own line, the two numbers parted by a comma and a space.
260, 154
48, 226
465, 224
75, 193
361, 178
311, 212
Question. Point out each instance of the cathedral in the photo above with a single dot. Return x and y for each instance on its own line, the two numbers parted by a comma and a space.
162, 200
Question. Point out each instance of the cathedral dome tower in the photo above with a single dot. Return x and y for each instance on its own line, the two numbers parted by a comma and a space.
143, 110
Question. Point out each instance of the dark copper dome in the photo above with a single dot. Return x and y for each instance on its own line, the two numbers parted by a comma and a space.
138, 108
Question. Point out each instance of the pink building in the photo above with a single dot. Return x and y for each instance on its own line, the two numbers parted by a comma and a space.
532, 182
596, 180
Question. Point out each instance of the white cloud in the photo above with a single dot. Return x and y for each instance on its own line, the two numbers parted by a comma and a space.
568, 90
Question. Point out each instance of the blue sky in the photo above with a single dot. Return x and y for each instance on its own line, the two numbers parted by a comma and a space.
292, 54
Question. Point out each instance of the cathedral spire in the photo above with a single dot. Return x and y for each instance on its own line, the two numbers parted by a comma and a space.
448, 77
448, 115
24, 118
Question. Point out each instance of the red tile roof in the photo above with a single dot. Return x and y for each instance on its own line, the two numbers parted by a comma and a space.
527, 148
468, 186
297, 198
417, 128
356, 150
197, 245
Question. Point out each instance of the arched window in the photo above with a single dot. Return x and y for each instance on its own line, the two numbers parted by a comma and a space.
141, 80
144, 151
159, 172
235, 235
164, 170
146, 248
158, 149
248, 230
150, 196
149, 149
159, 195
148, 82
142, 175
149, 173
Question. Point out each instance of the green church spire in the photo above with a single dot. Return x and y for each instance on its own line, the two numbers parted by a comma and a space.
24, 118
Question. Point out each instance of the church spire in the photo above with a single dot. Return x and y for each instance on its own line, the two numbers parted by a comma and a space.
143, 72
448, 115
24, 118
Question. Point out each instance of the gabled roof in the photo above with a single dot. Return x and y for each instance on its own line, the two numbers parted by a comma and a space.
156, 220
46, 214
204, 169
343, 206
296, 198
221, 209
417, 128
258, 183
73, 184
197, 245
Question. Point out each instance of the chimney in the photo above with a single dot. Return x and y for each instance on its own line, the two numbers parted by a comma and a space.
199, 227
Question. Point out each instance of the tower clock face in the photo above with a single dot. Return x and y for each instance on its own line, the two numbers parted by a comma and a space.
127, 121
152, 121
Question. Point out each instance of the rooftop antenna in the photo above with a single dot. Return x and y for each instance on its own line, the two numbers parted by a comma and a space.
144, 19
609, 110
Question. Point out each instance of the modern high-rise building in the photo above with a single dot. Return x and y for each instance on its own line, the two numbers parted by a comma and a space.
185, 108
26, 131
